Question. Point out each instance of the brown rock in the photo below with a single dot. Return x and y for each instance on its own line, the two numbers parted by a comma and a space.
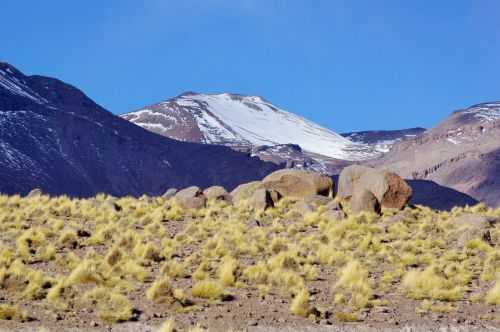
191, 198
389, 188
217, 193
363, 200
297, 183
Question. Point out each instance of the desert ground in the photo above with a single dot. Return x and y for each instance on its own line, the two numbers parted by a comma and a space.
310, 264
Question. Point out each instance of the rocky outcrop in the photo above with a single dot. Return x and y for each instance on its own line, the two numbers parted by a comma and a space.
297, 183
389, 188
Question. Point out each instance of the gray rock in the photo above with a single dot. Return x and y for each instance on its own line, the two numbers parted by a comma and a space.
471, 226
196, 203
170, 193
244, 191
191, 198
262, 199
317, 200
35, 193
363, 200
189, 192
334, 214
334, 205
304, 208
296, 183
217, 193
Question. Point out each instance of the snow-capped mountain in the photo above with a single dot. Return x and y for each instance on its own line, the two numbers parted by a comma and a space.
53, 137
243, 121
462, 152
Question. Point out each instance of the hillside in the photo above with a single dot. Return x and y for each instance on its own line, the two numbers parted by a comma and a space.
462, 152
382, 140
53, 137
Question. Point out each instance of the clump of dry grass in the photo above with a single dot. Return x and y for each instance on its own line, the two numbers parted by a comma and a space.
208, 289
353, 286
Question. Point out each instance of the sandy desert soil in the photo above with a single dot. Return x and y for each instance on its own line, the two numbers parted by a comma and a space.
107, 264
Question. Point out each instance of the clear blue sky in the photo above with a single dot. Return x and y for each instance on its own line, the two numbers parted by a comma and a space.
348, 65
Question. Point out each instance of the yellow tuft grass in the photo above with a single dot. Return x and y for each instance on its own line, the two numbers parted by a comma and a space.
207, 289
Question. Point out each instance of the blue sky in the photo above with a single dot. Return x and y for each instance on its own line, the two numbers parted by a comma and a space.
348, 65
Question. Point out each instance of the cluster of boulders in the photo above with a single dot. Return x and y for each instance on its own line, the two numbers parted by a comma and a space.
361, 188
370, 189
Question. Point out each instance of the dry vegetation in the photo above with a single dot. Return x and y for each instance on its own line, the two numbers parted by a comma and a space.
69, 262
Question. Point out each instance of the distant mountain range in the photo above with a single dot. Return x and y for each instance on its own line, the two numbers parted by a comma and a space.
55, 138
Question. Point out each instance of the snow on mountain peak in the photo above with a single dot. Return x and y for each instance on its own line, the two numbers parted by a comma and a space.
13, 81
234, 119
486, 112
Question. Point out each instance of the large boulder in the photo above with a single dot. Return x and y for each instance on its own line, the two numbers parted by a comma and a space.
191, 198
363, 200
244, 191
388, 187
262, 199
217, 193
298, 184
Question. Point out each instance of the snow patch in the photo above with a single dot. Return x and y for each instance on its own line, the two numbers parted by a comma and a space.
488, 112
18, 87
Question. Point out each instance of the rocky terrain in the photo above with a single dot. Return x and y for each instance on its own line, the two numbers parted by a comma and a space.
53, 137
462, 152
285, 253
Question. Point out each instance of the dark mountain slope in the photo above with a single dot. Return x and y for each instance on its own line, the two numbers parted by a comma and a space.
54, 137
